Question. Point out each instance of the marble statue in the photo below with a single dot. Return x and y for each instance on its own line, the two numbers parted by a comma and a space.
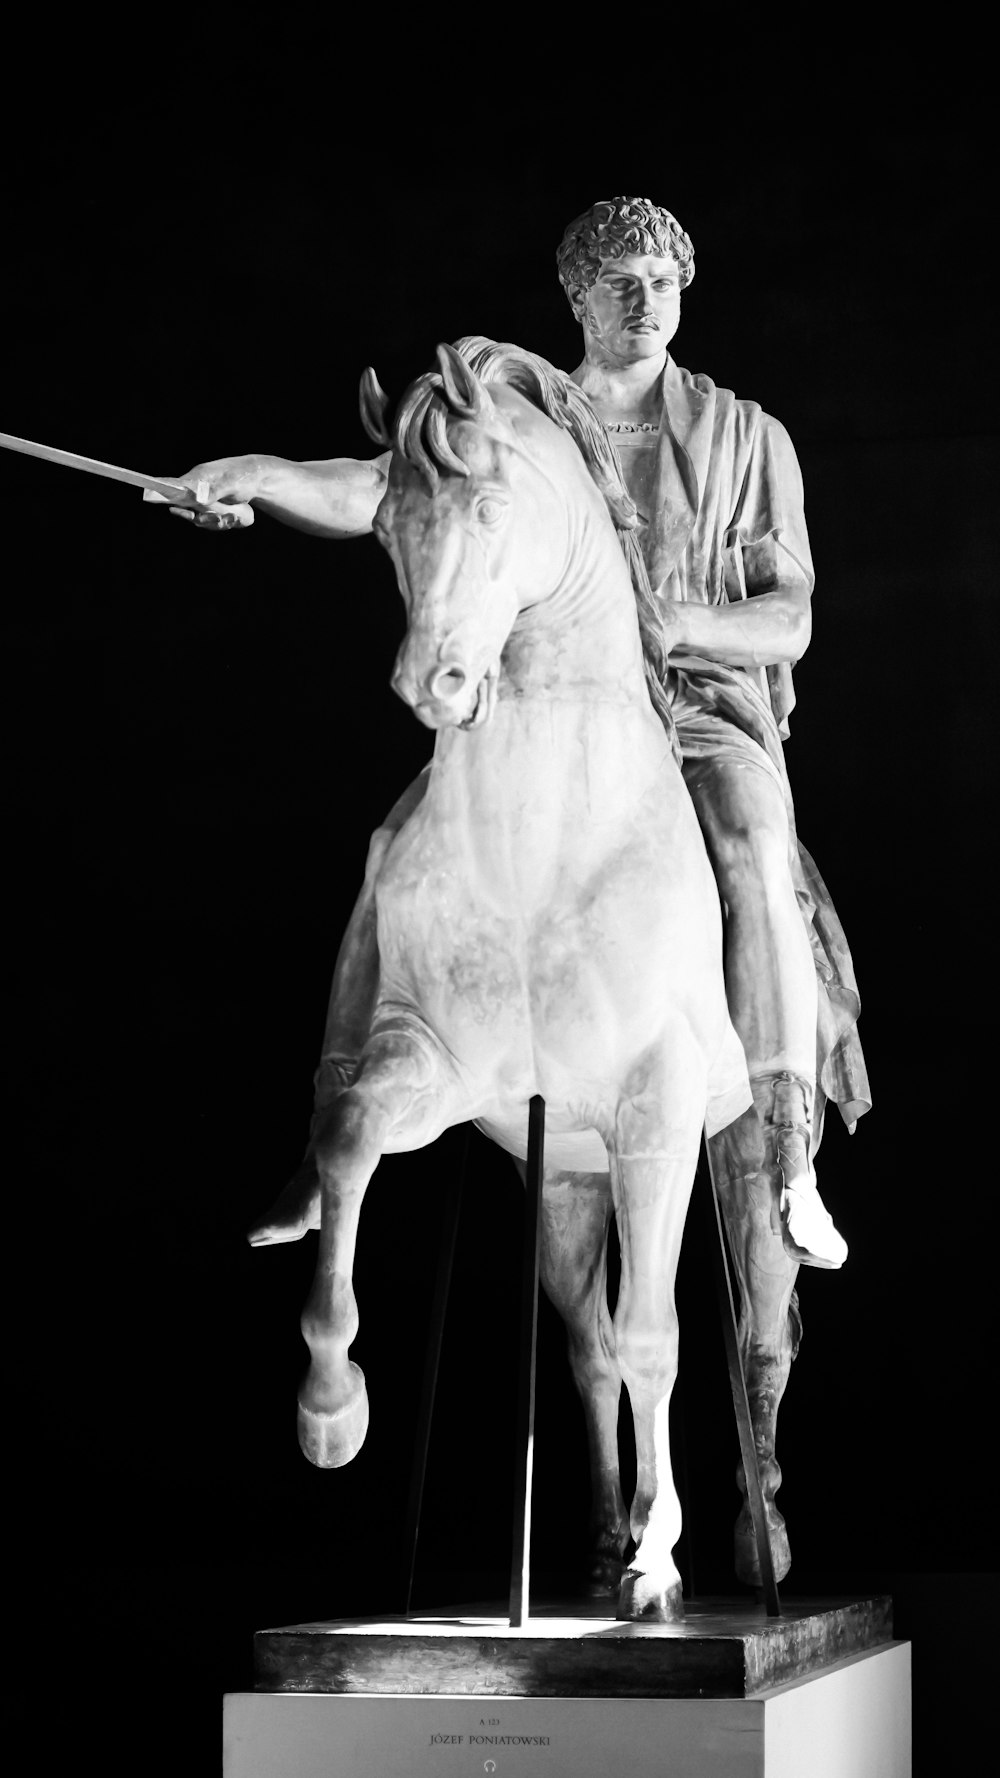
536, 915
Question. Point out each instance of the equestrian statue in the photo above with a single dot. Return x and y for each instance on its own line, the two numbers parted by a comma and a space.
595, 891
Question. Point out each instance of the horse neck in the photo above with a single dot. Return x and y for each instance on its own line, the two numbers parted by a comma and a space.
574, 743
581, 640
534, 802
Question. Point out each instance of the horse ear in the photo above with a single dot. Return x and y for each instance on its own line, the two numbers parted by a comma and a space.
373, 402
465, 392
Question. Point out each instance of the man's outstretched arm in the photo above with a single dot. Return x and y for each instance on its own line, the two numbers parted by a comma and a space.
337, 498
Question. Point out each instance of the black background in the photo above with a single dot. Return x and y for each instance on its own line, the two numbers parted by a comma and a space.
201, 737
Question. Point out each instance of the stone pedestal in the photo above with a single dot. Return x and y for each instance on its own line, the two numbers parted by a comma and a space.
722, 1649
729, 1693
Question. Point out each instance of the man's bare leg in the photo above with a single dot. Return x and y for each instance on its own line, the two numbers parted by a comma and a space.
770, 983
348, 1020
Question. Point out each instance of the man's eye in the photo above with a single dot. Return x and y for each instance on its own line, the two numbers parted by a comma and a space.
489, 511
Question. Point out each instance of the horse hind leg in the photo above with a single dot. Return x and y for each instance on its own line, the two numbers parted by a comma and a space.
769, 1324
398, 1091
576, 1212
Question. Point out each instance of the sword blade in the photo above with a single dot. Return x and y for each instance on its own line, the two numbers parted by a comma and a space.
175, 492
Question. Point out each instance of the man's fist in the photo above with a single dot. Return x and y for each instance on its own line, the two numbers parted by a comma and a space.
220, 493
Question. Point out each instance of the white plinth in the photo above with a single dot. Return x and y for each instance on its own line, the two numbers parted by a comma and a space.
850, 1720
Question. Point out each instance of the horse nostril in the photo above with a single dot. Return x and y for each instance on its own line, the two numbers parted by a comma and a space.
446, 683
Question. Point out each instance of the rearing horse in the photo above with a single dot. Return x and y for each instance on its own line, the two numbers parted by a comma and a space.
548, 922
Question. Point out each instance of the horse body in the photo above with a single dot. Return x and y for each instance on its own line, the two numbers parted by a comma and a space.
547, 923
534, 916
536, 910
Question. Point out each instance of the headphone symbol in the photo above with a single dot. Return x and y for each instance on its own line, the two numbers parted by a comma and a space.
489, 1765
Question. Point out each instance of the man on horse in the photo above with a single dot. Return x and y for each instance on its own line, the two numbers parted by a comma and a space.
719, 495
719, 499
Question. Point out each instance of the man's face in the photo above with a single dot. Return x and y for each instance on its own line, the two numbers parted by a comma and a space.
634, 307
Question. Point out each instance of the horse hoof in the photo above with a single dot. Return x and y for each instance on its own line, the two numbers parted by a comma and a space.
642, 1600
331, 1440
605, 1577
745, 1549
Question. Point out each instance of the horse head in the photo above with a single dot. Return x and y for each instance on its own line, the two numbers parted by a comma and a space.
476, 529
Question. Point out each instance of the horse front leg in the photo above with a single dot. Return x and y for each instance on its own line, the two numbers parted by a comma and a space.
576, 1212
353, 997
769, 1325
652, 1175
398, 1095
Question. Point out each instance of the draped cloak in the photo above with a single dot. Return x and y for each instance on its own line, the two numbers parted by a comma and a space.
726, 521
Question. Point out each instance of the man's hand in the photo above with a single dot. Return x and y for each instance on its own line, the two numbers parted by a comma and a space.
221, 493
335, 498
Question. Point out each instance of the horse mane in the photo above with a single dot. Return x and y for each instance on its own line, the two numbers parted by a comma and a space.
421, 437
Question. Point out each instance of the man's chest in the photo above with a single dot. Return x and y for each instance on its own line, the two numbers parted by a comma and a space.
637, 455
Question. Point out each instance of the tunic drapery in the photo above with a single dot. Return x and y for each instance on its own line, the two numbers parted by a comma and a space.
725, 522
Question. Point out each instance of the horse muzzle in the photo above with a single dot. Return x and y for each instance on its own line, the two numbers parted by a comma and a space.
449, 697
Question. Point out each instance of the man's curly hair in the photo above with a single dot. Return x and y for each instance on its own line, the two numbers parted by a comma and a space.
611, 229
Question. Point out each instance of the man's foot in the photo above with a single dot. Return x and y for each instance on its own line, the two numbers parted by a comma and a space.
784, 1103
294, 1213
297, 1210
807, 1231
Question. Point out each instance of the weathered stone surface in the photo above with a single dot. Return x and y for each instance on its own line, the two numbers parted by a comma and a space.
721, 1650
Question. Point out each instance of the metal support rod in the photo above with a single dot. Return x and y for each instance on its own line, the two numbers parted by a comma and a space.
741, 1402
524, 1441
425, 1413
